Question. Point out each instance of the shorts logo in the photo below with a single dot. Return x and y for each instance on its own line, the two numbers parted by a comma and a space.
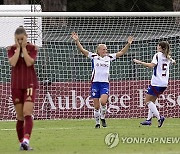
106, 90
93, 93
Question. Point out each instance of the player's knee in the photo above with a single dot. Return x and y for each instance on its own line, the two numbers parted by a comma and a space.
27, 110
103, 103
97, 106
25, 113
20, 117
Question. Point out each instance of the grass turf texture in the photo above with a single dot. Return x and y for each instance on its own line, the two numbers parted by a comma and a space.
80, 137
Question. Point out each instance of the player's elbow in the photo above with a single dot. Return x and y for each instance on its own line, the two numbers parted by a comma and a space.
13, 64
151, 65
119, 54
29, 64
84, 52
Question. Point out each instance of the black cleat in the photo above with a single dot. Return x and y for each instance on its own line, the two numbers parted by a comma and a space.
103, 121
25, 146
97, 126
146, 122
160, 121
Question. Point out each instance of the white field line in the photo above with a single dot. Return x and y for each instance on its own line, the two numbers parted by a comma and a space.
59, 128
85, 127
173, 124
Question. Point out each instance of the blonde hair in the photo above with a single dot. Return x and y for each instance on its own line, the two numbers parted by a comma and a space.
165, 49
98, 46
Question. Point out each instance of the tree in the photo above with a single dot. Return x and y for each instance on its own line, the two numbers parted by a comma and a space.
54, 5
176, 5
119, 5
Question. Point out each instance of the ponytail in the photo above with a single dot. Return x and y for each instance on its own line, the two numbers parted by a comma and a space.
165, 49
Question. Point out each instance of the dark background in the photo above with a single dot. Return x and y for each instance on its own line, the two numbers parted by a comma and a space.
101, 5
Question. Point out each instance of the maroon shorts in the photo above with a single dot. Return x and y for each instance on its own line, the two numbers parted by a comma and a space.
23, 95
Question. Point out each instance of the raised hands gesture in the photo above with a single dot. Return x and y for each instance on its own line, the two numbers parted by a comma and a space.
75, 36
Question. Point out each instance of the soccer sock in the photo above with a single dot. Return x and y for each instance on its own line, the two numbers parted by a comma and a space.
27, 128
153, 109
97, 116
150, 115
103, 111
20, 130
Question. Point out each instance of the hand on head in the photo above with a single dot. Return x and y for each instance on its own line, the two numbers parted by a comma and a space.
24, 42
20, 37
17, 43
21, 40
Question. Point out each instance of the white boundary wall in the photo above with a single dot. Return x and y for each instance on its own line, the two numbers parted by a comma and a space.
90, 14
9, 25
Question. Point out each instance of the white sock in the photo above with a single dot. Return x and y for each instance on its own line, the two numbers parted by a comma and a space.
103, 111
153, 109
97, 116
26, 140
150, 115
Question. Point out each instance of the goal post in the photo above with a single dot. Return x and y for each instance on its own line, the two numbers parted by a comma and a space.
65, 74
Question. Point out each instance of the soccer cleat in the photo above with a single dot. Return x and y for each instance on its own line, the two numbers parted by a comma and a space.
97, 126
25, 146
103, 121
147, 122
160, 121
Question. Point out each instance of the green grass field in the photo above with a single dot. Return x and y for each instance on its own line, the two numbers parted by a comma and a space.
80, 137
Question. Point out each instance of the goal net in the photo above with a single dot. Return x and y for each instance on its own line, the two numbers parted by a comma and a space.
65, 74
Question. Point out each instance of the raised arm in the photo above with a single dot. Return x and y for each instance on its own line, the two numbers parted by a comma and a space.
80, 47
173, 61
125, 49
150, 65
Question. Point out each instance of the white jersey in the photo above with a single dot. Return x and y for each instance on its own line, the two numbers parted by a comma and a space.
100, 66
160, 75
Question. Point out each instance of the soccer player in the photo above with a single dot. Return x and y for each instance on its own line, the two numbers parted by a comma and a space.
100, 76
159, 81
22, 56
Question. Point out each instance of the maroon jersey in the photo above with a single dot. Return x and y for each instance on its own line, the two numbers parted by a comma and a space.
23, 77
